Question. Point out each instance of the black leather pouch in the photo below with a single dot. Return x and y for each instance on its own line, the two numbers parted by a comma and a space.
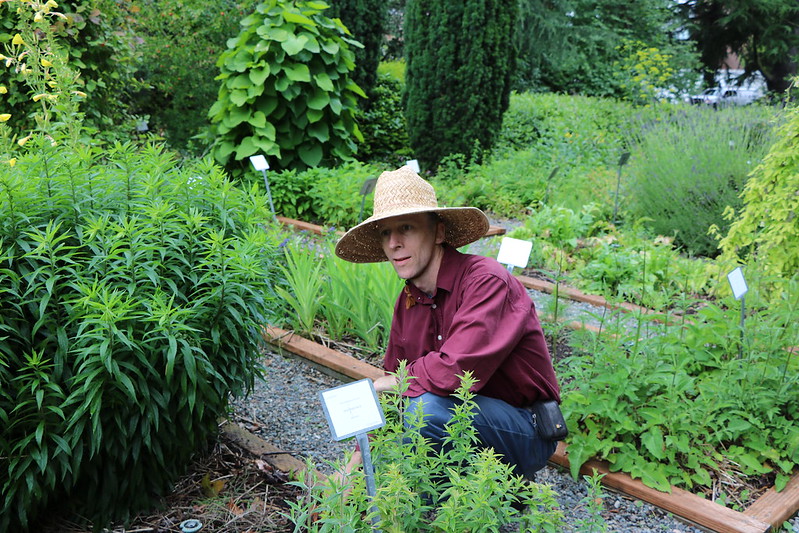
549, 420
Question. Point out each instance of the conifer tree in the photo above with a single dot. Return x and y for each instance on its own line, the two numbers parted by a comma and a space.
365, 19
459, 60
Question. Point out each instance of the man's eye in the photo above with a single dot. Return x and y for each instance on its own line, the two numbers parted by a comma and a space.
406, 227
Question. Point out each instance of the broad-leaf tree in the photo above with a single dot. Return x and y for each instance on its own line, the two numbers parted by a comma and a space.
764, 33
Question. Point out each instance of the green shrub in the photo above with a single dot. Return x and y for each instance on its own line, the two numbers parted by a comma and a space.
131, 289
464, 487
179, 44
765, 229
385, 133
460, 57
689, 165
327, 196
95, 41
286, 90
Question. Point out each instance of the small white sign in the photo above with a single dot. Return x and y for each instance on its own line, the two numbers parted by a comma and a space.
514, 252
352, 409
414, 164
737, 283
259, 162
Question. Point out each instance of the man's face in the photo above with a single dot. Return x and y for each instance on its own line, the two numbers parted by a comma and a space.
409, 242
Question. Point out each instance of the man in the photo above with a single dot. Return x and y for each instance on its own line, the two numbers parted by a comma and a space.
456, 313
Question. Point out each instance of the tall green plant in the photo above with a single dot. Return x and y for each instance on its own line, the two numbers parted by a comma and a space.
132, 289
688, 167
467, 487
459, 61
765, 229
286, 89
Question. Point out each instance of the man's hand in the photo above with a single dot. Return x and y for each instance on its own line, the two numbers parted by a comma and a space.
385, 383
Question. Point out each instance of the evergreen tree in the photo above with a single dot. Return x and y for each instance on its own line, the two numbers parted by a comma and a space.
459, 60
366, 20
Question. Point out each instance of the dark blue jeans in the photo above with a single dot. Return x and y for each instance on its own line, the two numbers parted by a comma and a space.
510, 431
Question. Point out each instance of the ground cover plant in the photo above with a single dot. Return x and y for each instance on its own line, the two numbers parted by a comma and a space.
131, 291
692, 403
582, 249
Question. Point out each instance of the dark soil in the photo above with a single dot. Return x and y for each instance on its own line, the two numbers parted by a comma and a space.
226, 489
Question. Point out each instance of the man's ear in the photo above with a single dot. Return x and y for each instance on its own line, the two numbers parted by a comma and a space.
441, 232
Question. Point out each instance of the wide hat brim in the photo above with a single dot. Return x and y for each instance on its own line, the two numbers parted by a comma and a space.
403, 192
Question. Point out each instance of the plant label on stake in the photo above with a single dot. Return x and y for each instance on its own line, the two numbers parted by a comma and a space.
259, 163
414, 164
739, 290
514, 252
367, 187
353, 409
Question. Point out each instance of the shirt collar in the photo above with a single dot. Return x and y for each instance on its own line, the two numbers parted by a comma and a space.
447, 273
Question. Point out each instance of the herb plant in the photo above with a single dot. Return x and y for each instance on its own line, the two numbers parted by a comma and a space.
460, 488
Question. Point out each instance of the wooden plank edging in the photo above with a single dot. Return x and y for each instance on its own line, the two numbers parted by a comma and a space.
679, 502
282, 461
771, 509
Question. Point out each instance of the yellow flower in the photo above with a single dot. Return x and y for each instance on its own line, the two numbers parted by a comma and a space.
17, 40
12, 161
51, 4
38, 17
23, 140
3, 89
39, 96
79, 93
4, 117
46, 63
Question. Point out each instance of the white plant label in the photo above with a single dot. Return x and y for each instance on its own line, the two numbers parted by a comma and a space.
737, 283
414, 164
514, 252
352, 409
259, 162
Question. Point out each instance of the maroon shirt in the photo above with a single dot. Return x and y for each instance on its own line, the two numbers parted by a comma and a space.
481, 319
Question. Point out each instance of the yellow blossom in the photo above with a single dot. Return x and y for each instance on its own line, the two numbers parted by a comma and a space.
9, 61
46, 63
12, 161
39, 96
3, 89
17, 40
38, 17
23, 140
79, 93
4, 117
51, 4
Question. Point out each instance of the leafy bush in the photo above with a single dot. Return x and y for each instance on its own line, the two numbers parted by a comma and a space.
765, 230
461, 488
383, 125
329, 196
286, 90
179, 42
641, 402
130, 289
689, 165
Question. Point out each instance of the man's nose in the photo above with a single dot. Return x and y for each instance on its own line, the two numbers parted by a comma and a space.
394, 240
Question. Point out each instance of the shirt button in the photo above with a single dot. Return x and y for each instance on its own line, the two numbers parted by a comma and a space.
434, 306
440, 337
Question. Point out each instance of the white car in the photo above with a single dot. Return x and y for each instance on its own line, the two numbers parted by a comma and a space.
716, 96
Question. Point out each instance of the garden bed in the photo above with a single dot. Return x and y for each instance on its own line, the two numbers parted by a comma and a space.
771, 509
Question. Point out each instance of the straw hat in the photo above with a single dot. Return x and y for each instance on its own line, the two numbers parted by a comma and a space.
403, 192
